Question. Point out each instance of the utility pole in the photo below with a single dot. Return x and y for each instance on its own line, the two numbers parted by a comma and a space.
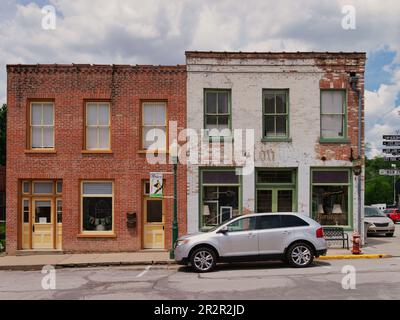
394, 185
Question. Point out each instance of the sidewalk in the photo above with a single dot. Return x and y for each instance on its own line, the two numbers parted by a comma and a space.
36, 262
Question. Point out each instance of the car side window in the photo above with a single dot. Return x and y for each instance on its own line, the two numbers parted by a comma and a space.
243, 224
292, 221
268, 222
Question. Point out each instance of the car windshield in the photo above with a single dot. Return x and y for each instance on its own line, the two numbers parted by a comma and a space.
373, 212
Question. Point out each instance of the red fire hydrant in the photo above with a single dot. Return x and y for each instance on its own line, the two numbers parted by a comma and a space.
356, 243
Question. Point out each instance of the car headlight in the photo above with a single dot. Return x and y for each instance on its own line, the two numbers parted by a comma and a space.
181, 242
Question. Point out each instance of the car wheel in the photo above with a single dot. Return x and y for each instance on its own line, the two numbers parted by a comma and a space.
203, 259
300, 255
390, 234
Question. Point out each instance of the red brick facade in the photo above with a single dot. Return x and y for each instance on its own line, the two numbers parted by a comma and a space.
69, 86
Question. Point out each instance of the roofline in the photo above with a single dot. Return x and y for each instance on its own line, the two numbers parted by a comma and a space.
273, 54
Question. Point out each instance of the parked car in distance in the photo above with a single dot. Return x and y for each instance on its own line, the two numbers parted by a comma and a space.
291, 237
378, 222
393, 213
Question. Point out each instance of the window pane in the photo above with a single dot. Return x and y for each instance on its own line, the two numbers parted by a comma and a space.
91, 138
59, 211
269, 222
281, 125
270, 176
104, 114
223, 102
211, 120
97, 188
285, 200
211, 102
25, 187
48, 138
48, 114
223, 121
330, 205
159, 114
264, 201
97, 214
26, 211
91, 114
36, 114
154, 138
332, 101
269, 100
43, 187
36, 137
269, 125
332, 126
281, 103
154, 211
292, 221
104, 138
59, 186
43, 212
220, 177
243, 224
330, 176
148, 114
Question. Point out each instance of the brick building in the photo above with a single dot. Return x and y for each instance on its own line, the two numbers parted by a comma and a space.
308, 127
77, 141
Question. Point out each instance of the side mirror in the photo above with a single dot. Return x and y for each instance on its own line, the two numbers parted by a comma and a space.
223, 230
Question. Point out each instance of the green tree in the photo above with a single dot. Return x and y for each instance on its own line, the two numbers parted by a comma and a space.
378, 189
3, 125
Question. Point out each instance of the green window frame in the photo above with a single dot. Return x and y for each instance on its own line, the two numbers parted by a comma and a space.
202, 185
275, 187
220, 117
273, 114
348, 184
325, 115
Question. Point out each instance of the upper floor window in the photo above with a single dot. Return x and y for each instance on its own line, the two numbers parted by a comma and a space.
98, 126
42, 125
275, 114
333, 114
154, 126
217, 109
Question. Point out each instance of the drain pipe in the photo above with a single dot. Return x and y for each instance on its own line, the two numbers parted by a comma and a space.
353, 83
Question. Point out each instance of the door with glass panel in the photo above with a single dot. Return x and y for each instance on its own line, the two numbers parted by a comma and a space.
153, 228
42, 224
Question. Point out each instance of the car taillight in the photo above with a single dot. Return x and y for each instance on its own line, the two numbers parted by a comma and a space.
320, 233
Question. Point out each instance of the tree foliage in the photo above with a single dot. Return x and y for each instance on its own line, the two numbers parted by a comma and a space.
378, 189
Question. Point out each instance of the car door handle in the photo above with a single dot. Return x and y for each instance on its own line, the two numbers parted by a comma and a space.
285, 232
251, 235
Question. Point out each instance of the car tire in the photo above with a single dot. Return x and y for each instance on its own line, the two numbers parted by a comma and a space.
203, 259
300, 255
390, 234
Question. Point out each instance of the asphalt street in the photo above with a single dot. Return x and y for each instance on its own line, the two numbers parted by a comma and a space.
368, 279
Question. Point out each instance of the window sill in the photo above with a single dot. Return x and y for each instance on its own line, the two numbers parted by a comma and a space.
338, 141
276, 140
40, 151
96, 235
96, 151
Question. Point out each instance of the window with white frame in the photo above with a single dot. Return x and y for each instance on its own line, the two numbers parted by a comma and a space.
98, 126
42, 125
154, 125
333, 114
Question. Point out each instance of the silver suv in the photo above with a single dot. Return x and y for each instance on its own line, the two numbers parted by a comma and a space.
291, 237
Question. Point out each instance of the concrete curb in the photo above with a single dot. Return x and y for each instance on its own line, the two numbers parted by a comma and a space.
36, 267
354, 256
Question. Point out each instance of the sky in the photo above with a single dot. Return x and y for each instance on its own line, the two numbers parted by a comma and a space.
159, 32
